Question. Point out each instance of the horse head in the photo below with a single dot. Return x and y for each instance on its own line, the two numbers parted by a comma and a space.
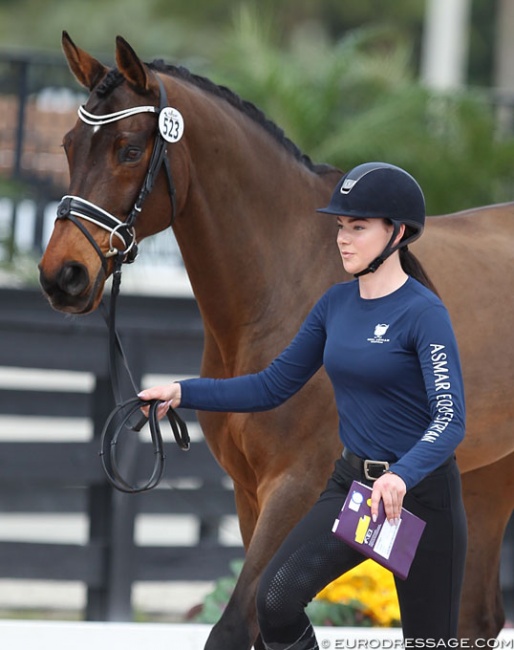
116, 152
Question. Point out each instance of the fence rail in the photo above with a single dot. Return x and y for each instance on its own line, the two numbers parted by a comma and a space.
160, 335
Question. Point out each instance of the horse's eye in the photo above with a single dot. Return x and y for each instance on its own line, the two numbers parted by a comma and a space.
130, 154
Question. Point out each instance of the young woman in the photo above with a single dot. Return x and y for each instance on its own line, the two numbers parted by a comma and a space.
388, 346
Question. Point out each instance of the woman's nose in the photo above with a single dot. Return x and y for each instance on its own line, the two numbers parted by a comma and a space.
342, 236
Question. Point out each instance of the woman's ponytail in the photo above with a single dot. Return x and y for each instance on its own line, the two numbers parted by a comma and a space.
413, 267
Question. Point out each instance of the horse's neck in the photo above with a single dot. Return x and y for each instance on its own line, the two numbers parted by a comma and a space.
254, 247
259, 251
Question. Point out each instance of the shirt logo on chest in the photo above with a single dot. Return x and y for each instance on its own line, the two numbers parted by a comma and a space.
379, 333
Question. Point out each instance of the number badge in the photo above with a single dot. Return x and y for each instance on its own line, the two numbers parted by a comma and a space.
171, 124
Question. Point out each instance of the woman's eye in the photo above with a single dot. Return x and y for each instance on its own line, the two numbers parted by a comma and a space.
350, 227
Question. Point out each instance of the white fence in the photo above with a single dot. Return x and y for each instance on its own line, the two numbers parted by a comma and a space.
134, 636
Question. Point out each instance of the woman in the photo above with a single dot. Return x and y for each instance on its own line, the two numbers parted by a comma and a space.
387, 344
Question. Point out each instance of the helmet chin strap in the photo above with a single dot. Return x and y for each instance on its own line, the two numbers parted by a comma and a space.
388, 250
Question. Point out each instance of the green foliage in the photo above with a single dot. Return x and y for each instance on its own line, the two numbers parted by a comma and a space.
323, 612
39, 23
320, 612
195, 29
12, 189
159, 22
343, 102
215, 602
358, 100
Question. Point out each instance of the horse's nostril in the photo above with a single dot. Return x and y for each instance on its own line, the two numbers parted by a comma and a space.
73, 279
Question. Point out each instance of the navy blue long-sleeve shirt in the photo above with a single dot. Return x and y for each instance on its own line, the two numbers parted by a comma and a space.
394, 367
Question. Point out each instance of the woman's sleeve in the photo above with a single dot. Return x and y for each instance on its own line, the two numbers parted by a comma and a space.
270, 387
440, 364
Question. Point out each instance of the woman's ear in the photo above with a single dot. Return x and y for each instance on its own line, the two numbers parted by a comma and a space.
401, 233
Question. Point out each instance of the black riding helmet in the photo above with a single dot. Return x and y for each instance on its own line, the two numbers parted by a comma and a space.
382, 191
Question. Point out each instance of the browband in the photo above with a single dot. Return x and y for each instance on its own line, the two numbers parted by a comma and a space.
99, 120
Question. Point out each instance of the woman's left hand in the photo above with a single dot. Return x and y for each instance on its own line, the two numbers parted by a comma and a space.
391, 489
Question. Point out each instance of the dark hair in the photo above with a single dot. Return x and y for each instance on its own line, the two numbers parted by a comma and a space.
412, 266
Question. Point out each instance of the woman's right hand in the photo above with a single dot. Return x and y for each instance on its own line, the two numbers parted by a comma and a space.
168, 394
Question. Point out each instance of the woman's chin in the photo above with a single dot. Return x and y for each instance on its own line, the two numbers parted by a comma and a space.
351, 267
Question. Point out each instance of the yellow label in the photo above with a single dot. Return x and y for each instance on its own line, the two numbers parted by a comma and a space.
362, 529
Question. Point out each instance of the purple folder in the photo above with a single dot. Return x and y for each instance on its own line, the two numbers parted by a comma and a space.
391, 546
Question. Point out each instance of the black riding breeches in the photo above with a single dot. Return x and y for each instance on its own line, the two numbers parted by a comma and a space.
311, 557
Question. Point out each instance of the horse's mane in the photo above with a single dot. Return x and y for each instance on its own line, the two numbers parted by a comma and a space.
114, 78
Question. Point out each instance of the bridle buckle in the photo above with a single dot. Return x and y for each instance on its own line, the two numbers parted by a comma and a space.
372, 469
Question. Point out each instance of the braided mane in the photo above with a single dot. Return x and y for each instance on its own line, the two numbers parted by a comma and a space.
114, 78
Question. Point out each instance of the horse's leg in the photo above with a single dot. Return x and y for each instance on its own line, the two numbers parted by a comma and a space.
489, 501
289, 498
237, 627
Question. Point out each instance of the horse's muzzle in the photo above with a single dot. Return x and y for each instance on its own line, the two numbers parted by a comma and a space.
67, 289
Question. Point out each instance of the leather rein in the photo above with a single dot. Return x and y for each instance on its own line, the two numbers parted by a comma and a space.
123, 249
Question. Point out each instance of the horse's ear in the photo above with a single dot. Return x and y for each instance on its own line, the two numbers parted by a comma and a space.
87, 70
131, 66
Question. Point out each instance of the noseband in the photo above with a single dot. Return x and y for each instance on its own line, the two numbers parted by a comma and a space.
122, 239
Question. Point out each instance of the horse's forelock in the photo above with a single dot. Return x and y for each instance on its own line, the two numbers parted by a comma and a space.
112, 80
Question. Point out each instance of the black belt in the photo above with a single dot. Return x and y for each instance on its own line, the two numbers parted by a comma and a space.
372, 469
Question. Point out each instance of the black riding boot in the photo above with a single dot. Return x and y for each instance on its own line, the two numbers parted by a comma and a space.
306, 642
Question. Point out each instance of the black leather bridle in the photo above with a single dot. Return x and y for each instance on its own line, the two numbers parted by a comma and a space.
123, 249
77, 210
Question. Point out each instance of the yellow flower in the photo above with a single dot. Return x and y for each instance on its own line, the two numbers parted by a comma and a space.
372, 586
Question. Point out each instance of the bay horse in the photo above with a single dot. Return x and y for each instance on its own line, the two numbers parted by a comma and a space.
241, 199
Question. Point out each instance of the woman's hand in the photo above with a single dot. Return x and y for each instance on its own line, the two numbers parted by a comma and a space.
391, 489
169, 395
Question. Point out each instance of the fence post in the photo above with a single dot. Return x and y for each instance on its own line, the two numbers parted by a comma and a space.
112, 516
23, 67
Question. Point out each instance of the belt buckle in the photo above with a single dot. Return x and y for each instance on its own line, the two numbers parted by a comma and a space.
370, 465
